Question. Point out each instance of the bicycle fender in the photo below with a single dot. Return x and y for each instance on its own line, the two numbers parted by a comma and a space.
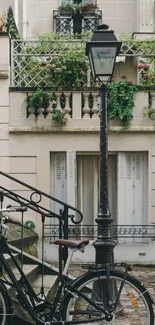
148, 293
77, 282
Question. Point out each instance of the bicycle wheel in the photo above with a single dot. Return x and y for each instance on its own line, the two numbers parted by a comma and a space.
133, 305
6, 309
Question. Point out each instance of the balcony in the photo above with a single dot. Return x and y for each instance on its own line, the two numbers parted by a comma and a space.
33, 66
81, 112
76, 23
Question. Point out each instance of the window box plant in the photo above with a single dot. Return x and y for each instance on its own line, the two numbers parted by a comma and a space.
88, 8
67, 8
151, 113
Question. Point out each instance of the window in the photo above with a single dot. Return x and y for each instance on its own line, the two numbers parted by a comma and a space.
78, 1
77, 22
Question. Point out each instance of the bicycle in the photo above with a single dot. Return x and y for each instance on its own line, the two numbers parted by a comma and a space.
102, 295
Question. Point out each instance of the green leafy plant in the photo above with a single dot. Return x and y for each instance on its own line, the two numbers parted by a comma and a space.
65, 67
121, 100
69, 7
11, 25
41, 99
35, 99
59, 116
144, 76
147, 74
150, 111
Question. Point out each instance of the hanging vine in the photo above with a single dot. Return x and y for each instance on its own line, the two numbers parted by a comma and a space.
121, 100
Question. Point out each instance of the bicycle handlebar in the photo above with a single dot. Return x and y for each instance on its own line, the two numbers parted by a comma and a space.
11, 208
6, 220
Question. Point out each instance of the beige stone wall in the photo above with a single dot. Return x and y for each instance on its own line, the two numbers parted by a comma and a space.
5, 4
123, 16
25, 153
129, 67
40, 146
4, 104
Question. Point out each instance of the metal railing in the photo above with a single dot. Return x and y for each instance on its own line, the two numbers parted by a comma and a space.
90, 231
33, 200
34, 63
76, 22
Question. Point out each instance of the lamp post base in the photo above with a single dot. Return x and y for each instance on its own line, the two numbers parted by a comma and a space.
104, 252
104, 245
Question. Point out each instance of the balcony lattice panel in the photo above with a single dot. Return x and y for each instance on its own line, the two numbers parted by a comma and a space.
31, 60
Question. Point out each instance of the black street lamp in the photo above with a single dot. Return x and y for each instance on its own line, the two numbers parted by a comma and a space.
102, 51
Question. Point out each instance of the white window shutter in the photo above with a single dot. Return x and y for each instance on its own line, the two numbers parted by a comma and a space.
95, 187
132, 190
121, 187
121, 191
145, 188
58, 179
129, 189
138, 197
141, 188
71, 178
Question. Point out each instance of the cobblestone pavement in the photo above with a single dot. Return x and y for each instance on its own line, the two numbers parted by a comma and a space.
143, 274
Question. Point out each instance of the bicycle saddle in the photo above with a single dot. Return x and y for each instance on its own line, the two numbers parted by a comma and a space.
72, 243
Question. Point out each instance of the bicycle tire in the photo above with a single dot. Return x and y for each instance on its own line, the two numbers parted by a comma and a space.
71, 305
6, 308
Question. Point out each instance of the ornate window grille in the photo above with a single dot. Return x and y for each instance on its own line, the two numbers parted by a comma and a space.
76, 23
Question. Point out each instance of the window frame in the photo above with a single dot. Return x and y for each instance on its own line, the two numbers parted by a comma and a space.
83, 1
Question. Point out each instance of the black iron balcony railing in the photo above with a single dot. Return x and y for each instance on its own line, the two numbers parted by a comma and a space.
76, 23
90, 231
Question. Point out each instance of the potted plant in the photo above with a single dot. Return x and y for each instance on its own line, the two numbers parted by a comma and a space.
3, 21
59, 116
88, 8
66, 8
37, 101
151, 113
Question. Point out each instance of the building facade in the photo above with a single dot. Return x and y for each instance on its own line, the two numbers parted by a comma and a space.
64, 161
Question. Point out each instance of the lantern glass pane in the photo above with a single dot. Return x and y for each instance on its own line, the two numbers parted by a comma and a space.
91, 64
104, 60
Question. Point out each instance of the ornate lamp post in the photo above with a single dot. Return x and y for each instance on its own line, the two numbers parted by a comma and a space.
102, 51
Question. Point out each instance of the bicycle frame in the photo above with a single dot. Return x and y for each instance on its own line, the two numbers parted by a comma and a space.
30, 300
32, 303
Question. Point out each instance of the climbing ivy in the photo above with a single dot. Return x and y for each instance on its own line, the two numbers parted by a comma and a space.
121, 100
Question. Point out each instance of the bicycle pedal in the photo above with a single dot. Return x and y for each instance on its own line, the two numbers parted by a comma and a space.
39, 306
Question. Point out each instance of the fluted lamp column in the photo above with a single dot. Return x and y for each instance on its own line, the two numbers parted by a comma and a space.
102, 50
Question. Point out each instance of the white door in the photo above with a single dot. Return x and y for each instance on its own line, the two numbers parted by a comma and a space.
88, 187
132, 191
79, 186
